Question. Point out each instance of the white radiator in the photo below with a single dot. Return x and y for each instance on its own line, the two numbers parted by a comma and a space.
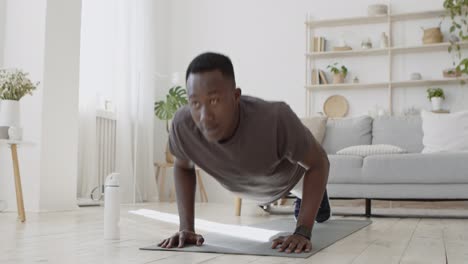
106, 128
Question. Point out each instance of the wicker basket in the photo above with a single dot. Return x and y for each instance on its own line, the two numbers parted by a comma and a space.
432, 35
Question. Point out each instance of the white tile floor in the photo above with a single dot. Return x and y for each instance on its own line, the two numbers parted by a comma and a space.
77, 237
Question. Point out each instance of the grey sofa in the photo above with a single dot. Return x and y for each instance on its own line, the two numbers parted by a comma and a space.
409, 176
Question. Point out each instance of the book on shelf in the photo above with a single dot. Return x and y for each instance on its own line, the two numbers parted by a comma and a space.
315, 77
318, 77
318, 44
323, 78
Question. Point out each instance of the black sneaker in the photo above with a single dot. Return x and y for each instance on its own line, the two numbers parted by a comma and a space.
323, 213
297, 207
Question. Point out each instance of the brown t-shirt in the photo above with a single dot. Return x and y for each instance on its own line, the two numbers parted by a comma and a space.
260, 162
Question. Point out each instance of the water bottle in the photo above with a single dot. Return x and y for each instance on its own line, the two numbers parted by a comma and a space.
112, 207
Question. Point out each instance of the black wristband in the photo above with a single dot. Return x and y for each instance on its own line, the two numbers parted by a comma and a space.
303, 231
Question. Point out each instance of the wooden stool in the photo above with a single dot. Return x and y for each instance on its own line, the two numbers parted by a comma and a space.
160, 182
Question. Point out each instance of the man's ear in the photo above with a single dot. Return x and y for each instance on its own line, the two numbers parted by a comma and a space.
237, 94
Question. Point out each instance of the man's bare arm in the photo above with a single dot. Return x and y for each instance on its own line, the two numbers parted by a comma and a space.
315, 181
185, 182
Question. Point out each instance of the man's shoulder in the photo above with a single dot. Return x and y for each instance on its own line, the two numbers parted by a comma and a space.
259, 105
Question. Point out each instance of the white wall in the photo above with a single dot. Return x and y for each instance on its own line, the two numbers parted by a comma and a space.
60, 105
42, 38
25, 24
265, 39
2, 28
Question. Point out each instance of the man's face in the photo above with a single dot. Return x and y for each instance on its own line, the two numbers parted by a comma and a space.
214, 104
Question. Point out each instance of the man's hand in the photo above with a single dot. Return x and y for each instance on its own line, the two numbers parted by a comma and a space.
292, 243
181, 238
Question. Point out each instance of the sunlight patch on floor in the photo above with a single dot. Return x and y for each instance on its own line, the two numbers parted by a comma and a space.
244, 232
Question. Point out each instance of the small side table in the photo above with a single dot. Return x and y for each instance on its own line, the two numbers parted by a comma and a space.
19, 191
160, 182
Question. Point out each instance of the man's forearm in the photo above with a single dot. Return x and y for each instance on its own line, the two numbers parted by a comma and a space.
185, 183
315, 181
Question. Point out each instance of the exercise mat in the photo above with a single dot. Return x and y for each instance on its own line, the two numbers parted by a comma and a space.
323, 235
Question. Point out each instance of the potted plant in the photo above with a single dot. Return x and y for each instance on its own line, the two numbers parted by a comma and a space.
458, 12
14, 84
339, 72
436, 95
166, 109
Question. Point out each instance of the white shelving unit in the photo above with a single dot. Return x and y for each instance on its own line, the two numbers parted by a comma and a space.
389, 19
400, 84
380, 51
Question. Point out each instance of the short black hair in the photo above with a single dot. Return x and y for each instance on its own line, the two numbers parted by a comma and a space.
210, 61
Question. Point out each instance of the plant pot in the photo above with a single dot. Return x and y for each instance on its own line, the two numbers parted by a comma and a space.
436, 103
169, 156
451, 73
338, 78
9, 113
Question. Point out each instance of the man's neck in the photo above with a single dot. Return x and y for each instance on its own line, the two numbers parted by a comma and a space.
234, 129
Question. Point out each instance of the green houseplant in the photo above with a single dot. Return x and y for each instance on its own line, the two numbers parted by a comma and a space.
339, 72
436, 95
458, 12
166, 109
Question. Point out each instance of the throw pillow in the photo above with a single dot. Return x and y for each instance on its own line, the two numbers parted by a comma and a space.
347, 132
317, 126
367, 150
445, 132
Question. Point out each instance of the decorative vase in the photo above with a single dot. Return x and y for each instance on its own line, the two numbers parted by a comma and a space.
436, 103
15, 133
366, 44
338, 78
383, 40
9, 113
415, 76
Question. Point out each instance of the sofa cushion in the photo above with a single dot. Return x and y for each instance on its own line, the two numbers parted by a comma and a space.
416, 168
402, 131
368, 150
398, 191
445, 132
342, 133
345, 169
317, 126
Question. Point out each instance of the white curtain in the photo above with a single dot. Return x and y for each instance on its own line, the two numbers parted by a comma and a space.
115, 67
